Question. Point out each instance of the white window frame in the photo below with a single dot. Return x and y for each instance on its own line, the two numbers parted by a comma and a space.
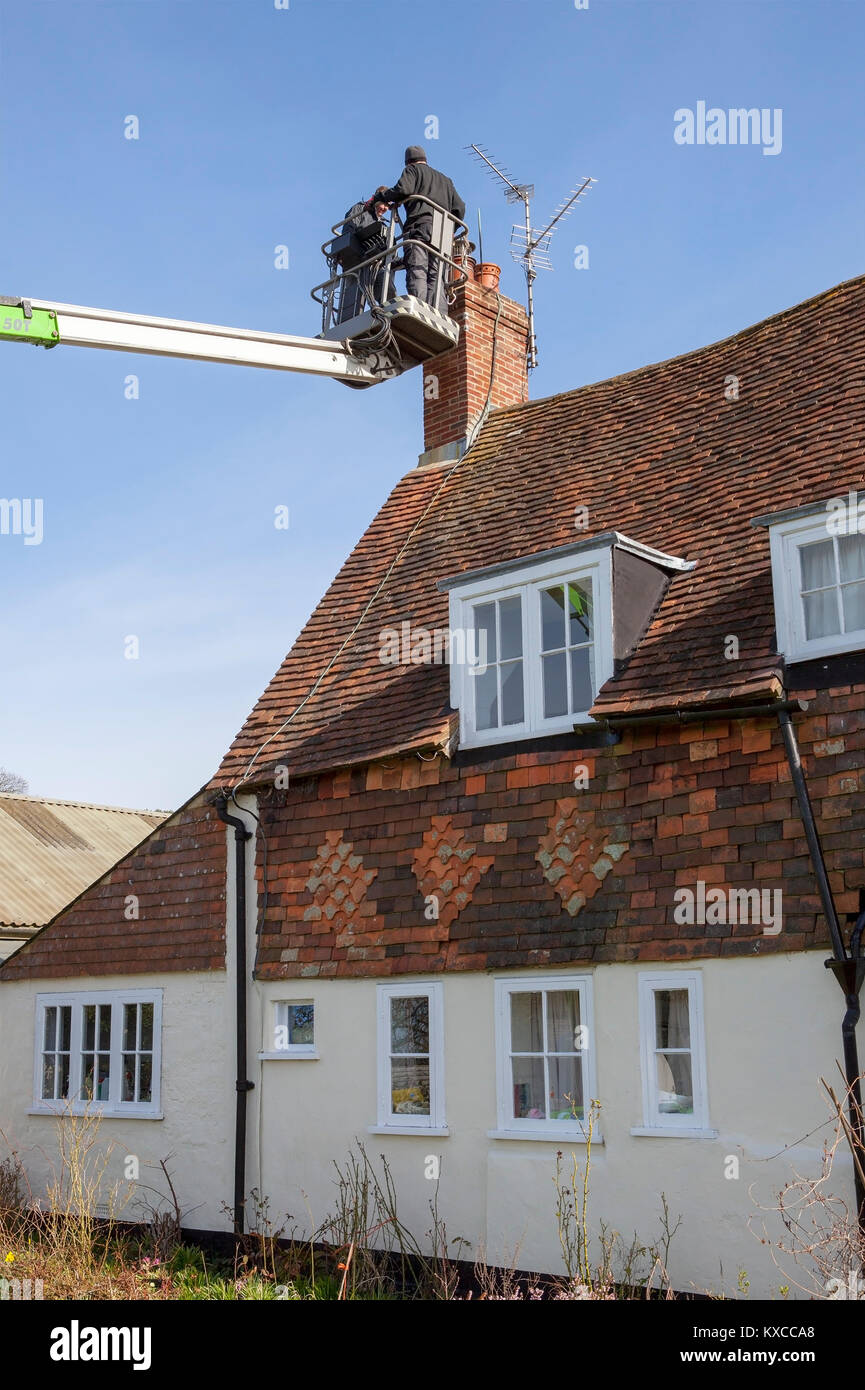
113, 1106
785, 538
654, 1120
510, 1127
388, 1121
596, 565
292, 1051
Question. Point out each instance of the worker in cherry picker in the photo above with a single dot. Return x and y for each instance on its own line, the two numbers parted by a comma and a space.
421, 268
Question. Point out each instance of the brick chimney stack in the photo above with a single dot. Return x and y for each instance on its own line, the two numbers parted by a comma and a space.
455, 385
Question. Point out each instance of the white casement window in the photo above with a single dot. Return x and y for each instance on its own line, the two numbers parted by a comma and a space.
539, 645
673, 1054
292, 1030
98, 1051
818, 574
411, 1057
544, 1051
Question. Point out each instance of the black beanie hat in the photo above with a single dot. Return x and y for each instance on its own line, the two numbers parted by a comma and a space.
414, 154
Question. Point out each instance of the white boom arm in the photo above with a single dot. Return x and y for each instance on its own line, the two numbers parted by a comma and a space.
78, 326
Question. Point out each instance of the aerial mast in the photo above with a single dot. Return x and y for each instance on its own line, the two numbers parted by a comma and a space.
530, 248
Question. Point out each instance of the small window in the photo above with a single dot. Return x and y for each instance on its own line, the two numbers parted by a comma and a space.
98, 1051
543, 1030
818, 574
411, 1057
538, 660
293, 1029
673, 1057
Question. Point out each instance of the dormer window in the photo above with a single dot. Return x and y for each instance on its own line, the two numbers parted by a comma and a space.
818, 577
541, 634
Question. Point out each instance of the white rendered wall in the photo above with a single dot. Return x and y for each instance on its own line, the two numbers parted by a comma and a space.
197, 1099
772, 1029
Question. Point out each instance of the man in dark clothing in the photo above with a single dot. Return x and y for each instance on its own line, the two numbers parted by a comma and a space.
418, 178
369, 238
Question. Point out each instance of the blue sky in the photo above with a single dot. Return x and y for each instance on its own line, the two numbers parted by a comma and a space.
259, 127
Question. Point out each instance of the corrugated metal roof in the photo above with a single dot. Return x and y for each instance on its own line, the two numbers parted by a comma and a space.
50, 851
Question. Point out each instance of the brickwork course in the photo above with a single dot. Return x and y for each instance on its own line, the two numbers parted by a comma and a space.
392, 852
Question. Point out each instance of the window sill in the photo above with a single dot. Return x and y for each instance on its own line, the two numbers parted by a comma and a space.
420, 1131
286, 1055
821, 647
673, 1132
57, 1112
547, 1136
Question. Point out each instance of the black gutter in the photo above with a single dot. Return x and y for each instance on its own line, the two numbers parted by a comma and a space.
242, 1084
696, 716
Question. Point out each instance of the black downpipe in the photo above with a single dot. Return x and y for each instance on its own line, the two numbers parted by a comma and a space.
849, 971
815, 849
242, 1084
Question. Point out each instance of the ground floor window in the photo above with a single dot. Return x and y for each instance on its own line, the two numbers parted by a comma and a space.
411, 1056
673, 1051
544, 1054
98, 1050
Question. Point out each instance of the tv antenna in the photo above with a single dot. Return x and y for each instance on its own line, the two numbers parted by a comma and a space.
531, 248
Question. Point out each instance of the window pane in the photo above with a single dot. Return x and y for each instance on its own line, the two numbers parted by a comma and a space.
821, 613
818, 565
672, 1022
89, 1027
527, 1028
65, 1026
513, 709
580, 626
48, 1077
105, 1026
63, 1077
103, 1074
552, 618
675, 1088
409, 1081
147, 1027
582, 696
87, 1076
300, 1023
566, 1088
409, 1024
50, 1028
529, 1099
511, 621
485, 622
145, 1078
555, 685
853, 599
563, 1020
487, 699
130, 1026
128, 1089
851, 556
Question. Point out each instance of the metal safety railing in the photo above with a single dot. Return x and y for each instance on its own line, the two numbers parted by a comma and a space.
357, 287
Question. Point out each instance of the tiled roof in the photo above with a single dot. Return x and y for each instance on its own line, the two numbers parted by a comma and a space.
660, 454
51, 850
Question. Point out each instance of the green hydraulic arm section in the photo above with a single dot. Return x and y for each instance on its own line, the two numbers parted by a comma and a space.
21, 323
